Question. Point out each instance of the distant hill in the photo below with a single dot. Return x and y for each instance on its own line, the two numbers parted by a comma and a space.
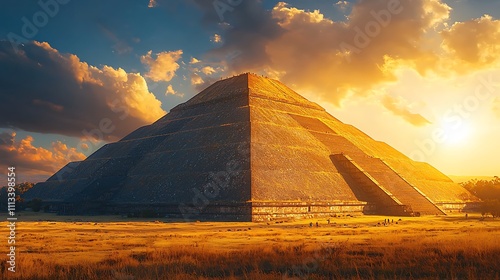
461, 179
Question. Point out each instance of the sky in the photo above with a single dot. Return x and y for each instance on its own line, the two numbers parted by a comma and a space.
420, 75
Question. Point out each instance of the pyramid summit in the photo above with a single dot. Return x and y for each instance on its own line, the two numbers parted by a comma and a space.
249, 148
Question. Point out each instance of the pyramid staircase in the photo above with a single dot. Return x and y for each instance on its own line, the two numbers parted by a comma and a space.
374, 193
376, 181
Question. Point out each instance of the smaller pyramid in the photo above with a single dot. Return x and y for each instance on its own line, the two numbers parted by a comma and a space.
249, 148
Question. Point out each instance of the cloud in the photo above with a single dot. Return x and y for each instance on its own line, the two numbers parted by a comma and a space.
342, 5
216, 38
397, 107
170, 90
247, 28
331, 65
312, 53
309, 50
196, 79
48, 105
163, 67
67, 96
30, 160
194, 60
7, 139
326, 58
474, 43
208, 70
152, 4
203, 75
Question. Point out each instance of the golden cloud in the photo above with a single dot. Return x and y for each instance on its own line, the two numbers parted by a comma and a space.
163, 67
336, 59
196, 79
69, 96
216, 38
333, 59
35, 160
473, 44
152, 4
208, 70
398, 108
342, 5
170, 90
194, 60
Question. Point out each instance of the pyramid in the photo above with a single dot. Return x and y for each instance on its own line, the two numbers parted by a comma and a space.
249, 148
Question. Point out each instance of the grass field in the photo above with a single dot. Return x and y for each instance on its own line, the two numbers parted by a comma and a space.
104, 247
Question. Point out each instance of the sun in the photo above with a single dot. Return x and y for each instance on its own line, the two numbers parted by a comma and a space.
457, 133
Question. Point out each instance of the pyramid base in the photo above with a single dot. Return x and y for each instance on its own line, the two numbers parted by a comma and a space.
453, 206
216, 211
256, 211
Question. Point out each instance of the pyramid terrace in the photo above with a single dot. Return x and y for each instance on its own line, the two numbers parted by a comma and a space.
249, 148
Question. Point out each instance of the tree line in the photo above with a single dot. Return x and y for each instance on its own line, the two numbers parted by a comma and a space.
489, 192
21, 188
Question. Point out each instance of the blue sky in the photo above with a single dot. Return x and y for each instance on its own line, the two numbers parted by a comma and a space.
119, 35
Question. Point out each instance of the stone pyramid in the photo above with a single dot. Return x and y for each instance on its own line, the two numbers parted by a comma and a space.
249, 148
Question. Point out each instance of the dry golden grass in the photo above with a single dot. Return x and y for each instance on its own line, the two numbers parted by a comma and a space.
349, 248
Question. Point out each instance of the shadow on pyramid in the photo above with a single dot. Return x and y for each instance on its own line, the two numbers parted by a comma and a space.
248, 148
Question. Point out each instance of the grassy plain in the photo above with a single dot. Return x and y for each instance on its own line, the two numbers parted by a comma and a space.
105, 247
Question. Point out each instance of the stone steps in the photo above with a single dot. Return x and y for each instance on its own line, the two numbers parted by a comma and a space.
381, 172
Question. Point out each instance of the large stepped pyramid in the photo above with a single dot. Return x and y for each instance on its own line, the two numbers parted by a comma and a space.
249, 148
